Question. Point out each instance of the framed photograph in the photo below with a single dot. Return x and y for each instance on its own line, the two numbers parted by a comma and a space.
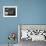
9, 11
33, 32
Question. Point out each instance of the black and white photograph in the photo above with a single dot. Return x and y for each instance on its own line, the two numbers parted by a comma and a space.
9, 11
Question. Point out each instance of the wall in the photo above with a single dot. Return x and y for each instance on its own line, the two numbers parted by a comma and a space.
7, 25
29, 12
